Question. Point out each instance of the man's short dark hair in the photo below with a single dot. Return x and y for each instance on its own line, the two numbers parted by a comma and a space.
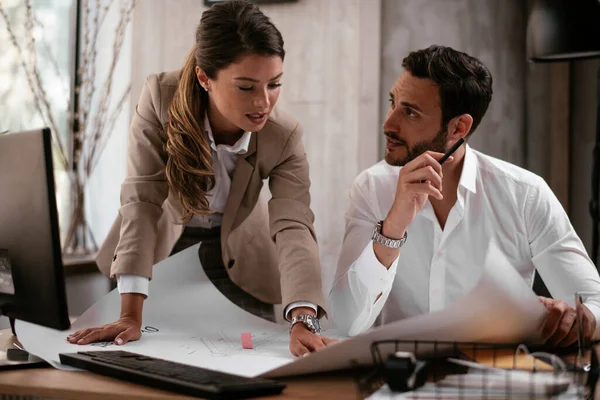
465, 83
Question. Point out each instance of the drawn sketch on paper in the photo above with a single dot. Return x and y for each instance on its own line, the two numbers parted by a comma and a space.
227, 343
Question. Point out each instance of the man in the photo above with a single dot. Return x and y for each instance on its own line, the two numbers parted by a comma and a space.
441, 219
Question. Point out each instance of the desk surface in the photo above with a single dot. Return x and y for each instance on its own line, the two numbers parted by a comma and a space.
50, 382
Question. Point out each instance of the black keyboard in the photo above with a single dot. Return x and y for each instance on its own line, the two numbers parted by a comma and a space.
170, 375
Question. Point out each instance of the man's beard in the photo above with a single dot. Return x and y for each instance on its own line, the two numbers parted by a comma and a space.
437, 144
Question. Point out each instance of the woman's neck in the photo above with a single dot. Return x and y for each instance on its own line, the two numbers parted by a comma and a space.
224, 132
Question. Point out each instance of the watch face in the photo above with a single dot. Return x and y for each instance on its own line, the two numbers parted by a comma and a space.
314, 323
311, 322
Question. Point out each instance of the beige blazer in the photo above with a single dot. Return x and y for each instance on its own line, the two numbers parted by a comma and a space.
269, 248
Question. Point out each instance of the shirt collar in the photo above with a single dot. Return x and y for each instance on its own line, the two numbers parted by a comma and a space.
467, 180
468, 175
239, 147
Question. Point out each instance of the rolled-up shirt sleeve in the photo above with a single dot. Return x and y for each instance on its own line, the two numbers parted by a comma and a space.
557, 252
360, 277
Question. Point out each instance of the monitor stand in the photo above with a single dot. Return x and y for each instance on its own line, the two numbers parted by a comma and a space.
15, 357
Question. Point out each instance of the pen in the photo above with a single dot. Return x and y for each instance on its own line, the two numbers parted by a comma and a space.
456, 145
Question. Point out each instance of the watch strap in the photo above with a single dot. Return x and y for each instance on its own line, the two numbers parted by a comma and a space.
378, 237
310, 321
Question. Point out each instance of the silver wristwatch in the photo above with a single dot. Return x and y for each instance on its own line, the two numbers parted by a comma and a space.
387, 242
311, 322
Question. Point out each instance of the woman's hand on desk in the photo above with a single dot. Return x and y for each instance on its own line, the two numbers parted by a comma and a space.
560, 328
122, 331
127, 328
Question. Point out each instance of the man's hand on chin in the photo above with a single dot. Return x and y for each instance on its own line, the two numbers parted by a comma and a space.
560, 328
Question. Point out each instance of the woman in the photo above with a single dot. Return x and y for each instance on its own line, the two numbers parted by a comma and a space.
202, 141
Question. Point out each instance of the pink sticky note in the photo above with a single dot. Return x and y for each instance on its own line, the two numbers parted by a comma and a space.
247, 340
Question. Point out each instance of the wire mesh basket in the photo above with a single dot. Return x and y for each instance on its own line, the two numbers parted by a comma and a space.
441, 370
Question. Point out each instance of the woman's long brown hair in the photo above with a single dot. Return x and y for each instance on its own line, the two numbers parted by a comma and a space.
227, 32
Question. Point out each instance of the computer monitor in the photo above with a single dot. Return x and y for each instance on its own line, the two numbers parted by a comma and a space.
32, 280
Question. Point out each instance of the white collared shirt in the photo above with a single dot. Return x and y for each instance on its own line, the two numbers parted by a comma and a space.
495, 201
224, 161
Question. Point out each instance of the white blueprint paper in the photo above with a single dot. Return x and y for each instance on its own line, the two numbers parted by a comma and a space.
187, 320
501, 308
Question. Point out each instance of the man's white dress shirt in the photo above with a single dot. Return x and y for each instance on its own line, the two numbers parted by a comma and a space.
496, 201
225, 158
